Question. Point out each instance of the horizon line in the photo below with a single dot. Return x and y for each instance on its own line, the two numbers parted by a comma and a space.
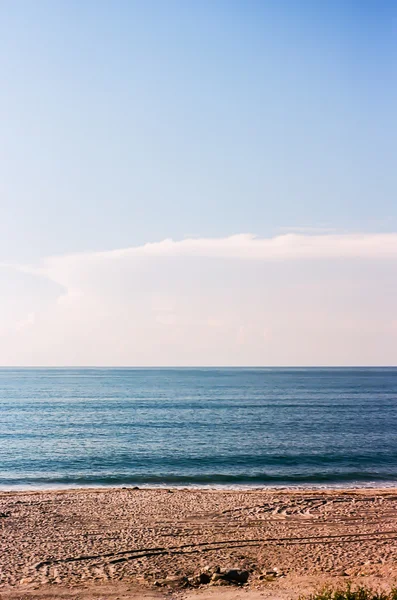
2, 367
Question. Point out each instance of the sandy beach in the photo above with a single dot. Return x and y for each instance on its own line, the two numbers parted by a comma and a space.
155, 543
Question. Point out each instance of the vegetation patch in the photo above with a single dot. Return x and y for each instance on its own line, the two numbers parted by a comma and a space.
352, 593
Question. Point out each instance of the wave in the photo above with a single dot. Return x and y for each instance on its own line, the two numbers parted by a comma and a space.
209, 480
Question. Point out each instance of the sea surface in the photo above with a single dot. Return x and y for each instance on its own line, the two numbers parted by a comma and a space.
198, 427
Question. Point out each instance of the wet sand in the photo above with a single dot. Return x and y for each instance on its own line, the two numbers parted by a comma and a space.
147, 543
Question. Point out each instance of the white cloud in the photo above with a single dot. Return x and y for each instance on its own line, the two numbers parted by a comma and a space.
27, 322
289, 246
291, 299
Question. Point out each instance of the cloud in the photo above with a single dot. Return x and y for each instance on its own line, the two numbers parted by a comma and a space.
290, 299
28, 322
290, 246
285, 247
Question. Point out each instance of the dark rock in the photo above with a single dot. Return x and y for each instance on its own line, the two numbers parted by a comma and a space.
201, 579
236, 576
204, 578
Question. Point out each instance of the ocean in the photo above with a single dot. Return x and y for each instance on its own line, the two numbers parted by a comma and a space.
198, 427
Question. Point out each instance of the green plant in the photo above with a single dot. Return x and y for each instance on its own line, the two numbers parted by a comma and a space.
352, 593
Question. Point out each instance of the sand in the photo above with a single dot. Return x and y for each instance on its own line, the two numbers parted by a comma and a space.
142, 543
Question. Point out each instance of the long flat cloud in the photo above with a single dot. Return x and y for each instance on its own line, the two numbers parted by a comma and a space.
291, 299
287, 246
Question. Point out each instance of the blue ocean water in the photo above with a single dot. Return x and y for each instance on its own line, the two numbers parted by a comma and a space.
88, 427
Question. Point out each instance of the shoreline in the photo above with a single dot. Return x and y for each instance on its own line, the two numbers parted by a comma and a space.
392, 485
160, 539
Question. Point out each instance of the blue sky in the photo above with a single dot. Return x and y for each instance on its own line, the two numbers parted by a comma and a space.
129, 122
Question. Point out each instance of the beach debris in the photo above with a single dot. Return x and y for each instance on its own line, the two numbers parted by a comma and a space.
231, 576
271, 574
236, 576
221, 582
211, 569
201, 579
4, 515
209, 576
174, 582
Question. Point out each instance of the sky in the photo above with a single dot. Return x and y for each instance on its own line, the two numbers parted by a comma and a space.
198, 183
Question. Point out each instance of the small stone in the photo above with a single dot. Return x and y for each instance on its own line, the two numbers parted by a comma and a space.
275, 572
220, 582
174, 582
265, 577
